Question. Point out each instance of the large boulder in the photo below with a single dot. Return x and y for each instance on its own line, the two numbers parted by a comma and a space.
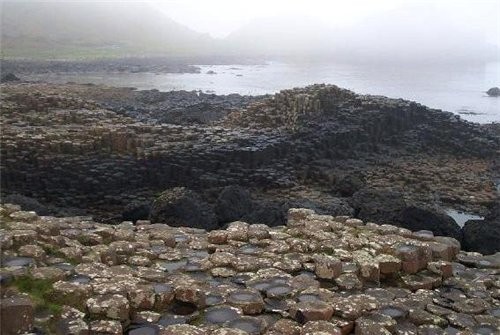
380, 206
483, 235
136, 210
268, 213
8, 77
28, 204
416, 218
180, 206
233, 203
349, 184
493, 92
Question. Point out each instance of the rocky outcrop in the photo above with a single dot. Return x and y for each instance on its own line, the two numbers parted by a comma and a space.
390, 207
84, 146
378, 205
9, 77
483, 235
319, 273
415, 219
136, 210
182, 207
493, 92
233, 203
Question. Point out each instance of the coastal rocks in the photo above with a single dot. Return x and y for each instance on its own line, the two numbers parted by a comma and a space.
9, 77
349, 184
483, 235
233, 203
136, 211
182, 207
102, 150
268, 213
317, 274
415, 219
493, 92
378, 205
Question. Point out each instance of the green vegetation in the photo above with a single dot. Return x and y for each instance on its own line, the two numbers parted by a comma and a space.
40, 291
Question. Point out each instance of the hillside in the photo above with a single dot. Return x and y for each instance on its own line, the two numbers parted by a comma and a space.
71, 30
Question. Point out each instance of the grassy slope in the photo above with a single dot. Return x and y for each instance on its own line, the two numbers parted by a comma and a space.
67, 30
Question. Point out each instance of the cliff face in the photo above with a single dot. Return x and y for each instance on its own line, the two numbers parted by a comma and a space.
318, 273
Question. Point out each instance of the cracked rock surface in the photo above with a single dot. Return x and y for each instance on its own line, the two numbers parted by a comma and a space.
319, 274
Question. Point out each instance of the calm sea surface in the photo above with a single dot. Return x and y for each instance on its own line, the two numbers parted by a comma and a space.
458, 89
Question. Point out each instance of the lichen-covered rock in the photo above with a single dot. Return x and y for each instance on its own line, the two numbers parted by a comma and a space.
319, 274
113, 306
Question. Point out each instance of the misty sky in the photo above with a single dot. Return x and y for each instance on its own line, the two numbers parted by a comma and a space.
221, 17
351, 30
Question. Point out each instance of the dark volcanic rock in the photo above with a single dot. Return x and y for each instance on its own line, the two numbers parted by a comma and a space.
378, 205
415, 218
9, 77
493, 92
483, 235
233, 203
136, 211
269, 213
179, 206
28, 204
349, 184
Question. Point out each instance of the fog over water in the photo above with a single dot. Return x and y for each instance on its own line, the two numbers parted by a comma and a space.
444, 53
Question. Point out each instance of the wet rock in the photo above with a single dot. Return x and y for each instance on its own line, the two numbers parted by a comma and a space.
493, 92
483, 235
251, 325
250, 302
182, 330
221, 314
415, 219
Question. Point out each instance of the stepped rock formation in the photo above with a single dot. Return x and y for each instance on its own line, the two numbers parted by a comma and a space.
99, 149
319, 274
60, 145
